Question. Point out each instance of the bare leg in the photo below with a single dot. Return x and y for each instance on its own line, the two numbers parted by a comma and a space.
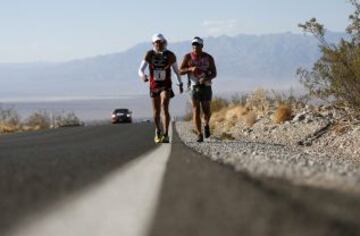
205, 105
165, 100
156, 112
196, 116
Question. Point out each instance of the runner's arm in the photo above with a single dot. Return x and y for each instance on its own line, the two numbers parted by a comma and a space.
177, 73
212, 70
184, 68
141, 71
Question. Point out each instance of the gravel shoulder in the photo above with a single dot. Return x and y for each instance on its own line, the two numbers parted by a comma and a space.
269, 150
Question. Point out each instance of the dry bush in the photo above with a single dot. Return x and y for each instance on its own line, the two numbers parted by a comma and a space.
227, 136
340, 128
66, 120
250, 118
38, 120
282, 114
218, 116
230, 124
218, 104
282, 98
258, 101
236, 112
229, 117
288, 98
238, 99
9, 121
220, 119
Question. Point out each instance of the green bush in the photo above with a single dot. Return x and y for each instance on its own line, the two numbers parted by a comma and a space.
336, 75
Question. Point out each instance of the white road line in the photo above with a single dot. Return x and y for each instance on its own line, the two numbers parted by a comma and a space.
122, 204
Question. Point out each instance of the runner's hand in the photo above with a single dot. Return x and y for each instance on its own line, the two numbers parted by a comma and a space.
145, 78
202, 80
192, 69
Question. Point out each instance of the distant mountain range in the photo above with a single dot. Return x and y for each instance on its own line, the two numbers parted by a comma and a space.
243, 62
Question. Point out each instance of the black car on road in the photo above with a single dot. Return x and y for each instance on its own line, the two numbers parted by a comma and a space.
121, 115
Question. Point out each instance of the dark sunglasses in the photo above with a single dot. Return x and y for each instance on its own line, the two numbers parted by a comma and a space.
197, 44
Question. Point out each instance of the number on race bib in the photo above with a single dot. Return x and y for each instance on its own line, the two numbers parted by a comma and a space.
159, 75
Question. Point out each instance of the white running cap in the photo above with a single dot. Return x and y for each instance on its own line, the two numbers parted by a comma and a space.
157, 37
197, 40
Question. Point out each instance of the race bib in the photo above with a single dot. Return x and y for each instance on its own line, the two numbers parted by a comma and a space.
159, 75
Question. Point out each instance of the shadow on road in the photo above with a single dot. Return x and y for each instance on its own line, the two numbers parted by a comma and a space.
38, 169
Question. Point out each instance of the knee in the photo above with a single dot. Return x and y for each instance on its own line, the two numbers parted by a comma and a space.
207, 112
165, 108
156, 113
196, 111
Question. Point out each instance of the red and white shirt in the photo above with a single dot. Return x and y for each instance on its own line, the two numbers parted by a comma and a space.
160, 64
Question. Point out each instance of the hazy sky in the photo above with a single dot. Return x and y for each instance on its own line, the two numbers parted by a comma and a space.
59, 30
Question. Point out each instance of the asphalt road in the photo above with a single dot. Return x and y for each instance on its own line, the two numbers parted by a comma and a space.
38, 169
197, 197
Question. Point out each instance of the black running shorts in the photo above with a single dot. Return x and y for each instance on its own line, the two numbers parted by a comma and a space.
201, 93
157, 91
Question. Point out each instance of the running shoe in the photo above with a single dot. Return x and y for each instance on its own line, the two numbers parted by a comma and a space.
165, 139
200, 138
157, 138
207, 131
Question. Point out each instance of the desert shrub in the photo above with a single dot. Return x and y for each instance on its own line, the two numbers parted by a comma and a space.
235, 112
9, 120
218, 103
38, 120
282, 113
336, 75
226, 136
287, 98
66, 120
218, 117
258, 101
238, 99
250, 118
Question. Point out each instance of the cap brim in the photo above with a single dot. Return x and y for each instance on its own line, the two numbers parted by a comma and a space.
196, 42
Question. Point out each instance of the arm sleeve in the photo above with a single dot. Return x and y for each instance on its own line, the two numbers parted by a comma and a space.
141, 71
177, 73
